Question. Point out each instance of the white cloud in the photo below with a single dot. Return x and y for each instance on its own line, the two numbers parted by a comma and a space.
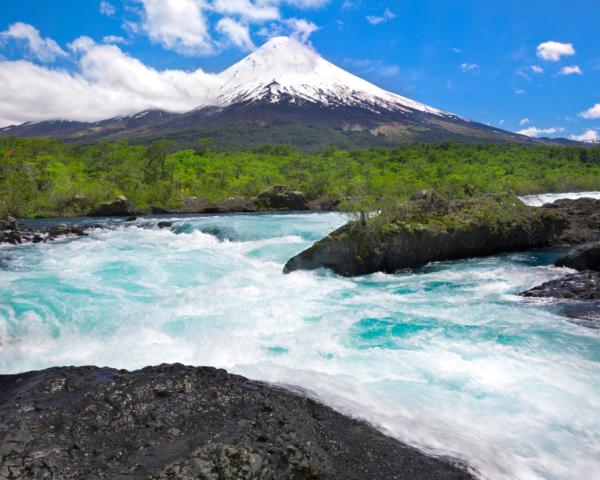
113, 39
537, 69
183, 25
520, 91
236, 32
591, 113
108, 83
298, 28
571, 70
385, 17
588, 136
538, 132
524, 121
178, 25
468, 67
107, 8
301, 29
44, 49
252, 11
553, 51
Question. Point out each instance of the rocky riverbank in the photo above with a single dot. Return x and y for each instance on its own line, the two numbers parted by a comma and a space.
428, 228
176, 422
275, 199
13, 233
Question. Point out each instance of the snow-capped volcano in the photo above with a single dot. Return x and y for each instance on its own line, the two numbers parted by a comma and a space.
285, 70
283, 92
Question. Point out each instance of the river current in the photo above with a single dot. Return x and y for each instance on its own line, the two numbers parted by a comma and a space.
447, 358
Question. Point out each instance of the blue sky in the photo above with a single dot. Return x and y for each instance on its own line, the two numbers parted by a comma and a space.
488, 60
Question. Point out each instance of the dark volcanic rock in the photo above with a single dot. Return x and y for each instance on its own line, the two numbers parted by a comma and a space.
584, 219
62, 229
584, 257
282, 198
9, 231
176, 422
577, 286
120, 207
427, 230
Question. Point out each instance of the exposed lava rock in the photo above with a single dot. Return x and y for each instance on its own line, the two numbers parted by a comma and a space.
577, 286
176, 422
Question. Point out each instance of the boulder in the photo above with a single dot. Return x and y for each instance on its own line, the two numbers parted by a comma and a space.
282, 198
584, 257
119, 207
62, 229
416, 235
177, 422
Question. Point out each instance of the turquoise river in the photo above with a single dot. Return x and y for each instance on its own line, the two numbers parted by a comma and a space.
448, 358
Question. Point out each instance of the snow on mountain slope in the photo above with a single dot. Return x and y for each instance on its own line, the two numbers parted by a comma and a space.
284, 69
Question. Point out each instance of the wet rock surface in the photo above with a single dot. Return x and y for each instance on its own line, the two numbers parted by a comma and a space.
176, 422
584, 257
576, 286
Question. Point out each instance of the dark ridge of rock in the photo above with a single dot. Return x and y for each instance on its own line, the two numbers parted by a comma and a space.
584, 257
426, 230
280, 197
584, 220
175, 422
119, 207
577, 286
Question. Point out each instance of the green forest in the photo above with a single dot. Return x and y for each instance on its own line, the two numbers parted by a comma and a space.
48, 178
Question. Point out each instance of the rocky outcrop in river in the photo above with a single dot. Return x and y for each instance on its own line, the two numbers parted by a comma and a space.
176, 422
427, 229
584, 257
575, 286
582, 285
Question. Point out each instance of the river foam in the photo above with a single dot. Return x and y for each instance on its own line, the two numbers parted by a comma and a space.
540, 199
447, 358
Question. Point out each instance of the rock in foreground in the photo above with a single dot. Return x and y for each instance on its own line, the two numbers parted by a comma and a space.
427, 230
176, 422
